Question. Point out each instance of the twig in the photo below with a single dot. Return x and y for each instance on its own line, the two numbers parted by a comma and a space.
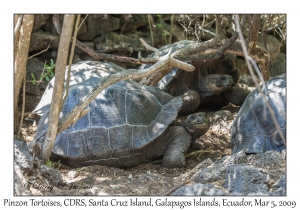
207, 31
210, 23
39, 52
150, 21
23, 106
176, 187
253, 32
71, 60
41, 77
148, 47
198, 152
37, 81
82, 21
172, 26
254, 79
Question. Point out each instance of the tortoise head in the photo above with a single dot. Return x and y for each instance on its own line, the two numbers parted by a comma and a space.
197, 124
215, 83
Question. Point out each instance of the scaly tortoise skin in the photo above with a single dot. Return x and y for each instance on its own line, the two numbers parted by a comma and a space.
212, 84
253, 130
127, 125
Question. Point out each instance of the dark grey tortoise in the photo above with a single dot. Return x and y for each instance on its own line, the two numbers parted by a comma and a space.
127, 125
213, 83
253, 130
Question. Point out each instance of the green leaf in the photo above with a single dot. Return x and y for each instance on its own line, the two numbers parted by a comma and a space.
159, 25
49, 163
33, 82
166, 32
32, 76
51, 74
52, 63
47, 78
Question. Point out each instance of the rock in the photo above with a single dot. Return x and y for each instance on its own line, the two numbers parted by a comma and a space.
176, 32
256, 174
279, 188
39, 21
241, 66
76, 58
99, 25
42, 40
128, 24
273, 45
217, 171
243, 180
79, 51
49, 26
53, 175
112, 42
20, 183
199, 190
269, 158
278, 65
247, 80
22, 156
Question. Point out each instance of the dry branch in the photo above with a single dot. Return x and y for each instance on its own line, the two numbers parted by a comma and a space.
55, 106
71, 59
21, 59
211, 49
44, 50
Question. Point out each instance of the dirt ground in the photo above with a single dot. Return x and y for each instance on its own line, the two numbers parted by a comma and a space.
146, 179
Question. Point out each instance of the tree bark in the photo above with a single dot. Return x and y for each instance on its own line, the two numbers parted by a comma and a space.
21, 55
55, 106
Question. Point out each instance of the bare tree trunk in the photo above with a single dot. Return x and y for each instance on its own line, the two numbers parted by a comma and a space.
55, 107
21, 55
17, 22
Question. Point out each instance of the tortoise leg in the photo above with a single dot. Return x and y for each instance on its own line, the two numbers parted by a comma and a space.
191, 101
236, 95
179, 142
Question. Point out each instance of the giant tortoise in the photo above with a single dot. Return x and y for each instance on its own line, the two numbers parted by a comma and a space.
127, 125
213, 83
253, 130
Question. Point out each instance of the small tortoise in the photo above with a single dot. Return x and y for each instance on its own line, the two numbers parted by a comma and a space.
127, 125
212, 84
253, 130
